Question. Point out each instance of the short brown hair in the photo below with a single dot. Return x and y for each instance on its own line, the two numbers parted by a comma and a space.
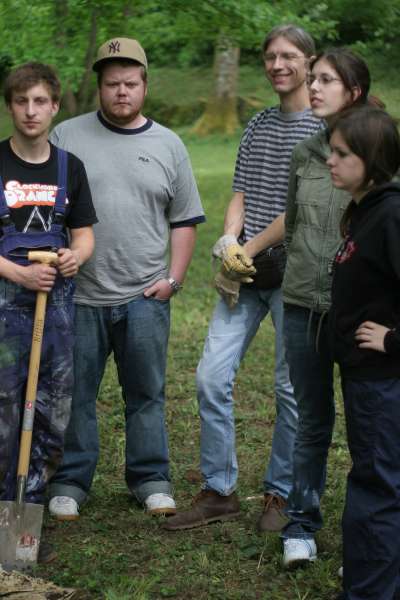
295, 35
26, 76
123, 62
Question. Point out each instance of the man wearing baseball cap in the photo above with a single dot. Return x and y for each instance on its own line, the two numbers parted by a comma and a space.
146, 201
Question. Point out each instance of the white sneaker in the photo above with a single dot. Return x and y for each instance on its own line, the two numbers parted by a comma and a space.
340, 572
64, 508
160, 504
297, 552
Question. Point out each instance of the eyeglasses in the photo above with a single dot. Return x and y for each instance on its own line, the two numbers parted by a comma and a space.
286, 57
322, 79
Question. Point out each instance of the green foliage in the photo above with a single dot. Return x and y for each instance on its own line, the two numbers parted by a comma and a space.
246, 22
170, 30
66, 33
177, 31
374, 23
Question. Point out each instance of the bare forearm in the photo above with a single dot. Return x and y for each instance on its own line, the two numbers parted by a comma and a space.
234, 216
10, 270
82, 243
183, 241
271, 236
35, 276
81, 247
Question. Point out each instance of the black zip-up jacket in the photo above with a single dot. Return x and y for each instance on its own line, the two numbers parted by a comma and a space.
366, 286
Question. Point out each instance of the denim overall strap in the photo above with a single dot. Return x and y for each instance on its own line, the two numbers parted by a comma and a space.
62, 164
3, 204
5, 218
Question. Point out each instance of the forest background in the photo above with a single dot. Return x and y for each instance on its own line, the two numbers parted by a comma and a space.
205, 81
216, 41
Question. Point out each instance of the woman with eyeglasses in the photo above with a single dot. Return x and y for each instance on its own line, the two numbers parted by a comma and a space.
365, 324
338, 80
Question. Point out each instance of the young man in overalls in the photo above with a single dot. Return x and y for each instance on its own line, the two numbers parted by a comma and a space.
44, 202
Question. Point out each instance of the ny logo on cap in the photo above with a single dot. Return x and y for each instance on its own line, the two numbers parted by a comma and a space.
114, 47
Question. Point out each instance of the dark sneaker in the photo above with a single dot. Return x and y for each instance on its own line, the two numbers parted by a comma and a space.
46, 553
273, 517
207, 507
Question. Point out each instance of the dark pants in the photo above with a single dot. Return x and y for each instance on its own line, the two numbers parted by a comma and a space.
371, 518
53, 398
311, 373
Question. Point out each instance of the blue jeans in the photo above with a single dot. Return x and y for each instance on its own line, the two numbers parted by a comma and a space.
229, 336
371, 518
311, 372
137, 333
54, 391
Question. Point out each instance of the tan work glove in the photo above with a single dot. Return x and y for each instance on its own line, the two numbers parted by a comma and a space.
226, 288
237, 264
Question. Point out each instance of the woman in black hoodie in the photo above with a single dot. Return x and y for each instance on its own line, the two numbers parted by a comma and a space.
365, 320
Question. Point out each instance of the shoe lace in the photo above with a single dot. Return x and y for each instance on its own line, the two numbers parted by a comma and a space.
273, 501
64, 500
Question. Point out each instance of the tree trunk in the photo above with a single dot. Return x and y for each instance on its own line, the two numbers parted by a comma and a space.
69, 101
221, 114
85, 95
61, 8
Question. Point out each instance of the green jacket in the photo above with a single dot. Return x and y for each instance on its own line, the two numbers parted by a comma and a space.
313, 213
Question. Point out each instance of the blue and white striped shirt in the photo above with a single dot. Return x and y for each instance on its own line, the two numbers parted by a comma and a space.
263, 163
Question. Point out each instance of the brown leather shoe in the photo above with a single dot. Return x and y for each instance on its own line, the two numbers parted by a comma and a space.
207, 507
273, 517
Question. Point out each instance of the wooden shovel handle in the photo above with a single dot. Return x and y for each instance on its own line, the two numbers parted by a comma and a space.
34, 365
43, 257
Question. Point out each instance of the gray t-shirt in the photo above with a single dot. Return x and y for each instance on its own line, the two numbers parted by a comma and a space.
142, 185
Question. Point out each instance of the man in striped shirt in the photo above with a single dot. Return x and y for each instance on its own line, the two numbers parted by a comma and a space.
254, 221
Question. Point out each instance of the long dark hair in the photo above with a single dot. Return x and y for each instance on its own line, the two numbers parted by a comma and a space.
373, 136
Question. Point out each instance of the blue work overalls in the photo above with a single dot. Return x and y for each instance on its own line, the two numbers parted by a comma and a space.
17, 305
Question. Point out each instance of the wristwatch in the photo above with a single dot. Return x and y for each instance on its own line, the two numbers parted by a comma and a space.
176, 286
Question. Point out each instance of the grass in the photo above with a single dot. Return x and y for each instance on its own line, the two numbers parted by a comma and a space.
115, 551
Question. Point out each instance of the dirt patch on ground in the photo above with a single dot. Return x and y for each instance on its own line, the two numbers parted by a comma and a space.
19, 586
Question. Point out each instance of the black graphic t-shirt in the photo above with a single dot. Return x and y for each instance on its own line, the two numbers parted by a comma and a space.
31, 189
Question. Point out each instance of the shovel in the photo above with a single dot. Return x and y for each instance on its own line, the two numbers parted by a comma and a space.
20, 521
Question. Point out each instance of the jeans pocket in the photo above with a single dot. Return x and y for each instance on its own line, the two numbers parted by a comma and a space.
160, 300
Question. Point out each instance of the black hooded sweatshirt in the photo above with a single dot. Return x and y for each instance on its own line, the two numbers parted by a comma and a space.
366, 286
